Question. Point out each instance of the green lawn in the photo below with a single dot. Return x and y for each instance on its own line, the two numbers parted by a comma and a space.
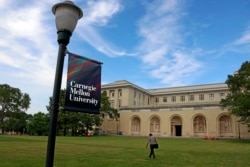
121, 151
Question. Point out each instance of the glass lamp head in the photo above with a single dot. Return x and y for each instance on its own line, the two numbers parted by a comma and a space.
67, 15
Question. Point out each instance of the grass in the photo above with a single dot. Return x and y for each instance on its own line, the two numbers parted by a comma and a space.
122, 151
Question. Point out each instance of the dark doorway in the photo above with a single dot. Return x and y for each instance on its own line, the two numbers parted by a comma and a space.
178, 130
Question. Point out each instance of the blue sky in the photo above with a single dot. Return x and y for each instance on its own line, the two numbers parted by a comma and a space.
151, 43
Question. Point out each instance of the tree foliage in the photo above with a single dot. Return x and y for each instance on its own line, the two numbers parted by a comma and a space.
78, 123
12, 104
38, 124
106, 109
238, 99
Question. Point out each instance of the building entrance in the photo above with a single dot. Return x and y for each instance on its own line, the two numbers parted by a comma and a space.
178, 129
176, 126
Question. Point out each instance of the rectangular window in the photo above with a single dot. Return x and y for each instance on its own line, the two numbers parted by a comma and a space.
222, 95
173, 98
211, 97
182, 98
164, 99
156, 100
120, 103
201, 97
120, 93
143, 99
191, 97
112, 93
139, 101
112, 103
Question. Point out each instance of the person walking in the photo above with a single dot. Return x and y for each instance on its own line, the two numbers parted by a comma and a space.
151, 141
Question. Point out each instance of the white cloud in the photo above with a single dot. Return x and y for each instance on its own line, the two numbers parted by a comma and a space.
160, 30
94, 38
176, 70
244, 39
26, 44
28, 47
154, 57
162, 48
99, 13
239, 46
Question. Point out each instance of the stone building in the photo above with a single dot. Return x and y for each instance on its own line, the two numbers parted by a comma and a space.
186, 111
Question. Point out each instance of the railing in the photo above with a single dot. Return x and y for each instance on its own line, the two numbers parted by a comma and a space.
172, 106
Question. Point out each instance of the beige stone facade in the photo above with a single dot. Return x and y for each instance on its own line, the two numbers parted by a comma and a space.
188, 111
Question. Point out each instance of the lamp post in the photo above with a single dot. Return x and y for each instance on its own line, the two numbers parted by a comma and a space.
67, 15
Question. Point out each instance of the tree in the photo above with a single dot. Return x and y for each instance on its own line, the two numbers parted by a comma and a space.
12, 100
38, 124
237, 100
25, 101
73, 121
16, 122
106, 109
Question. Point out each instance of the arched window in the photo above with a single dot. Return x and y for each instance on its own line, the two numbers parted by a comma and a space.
225, 123
155, 125
199, 124
135, 128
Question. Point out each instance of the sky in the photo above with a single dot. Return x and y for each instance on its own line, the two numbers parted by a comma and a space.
151, 43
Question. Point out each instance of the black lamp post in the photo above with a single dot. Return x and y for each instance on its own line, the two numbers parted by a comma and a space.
67, 15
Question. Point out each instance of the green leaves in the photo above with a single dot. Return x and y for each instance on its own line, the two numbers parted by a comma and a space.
106, 108
12, 102
238, 99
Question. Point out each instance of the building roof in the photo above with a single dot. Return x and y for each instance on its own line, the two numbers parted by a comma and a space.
179, 89
191, 88
122, 83
118, 83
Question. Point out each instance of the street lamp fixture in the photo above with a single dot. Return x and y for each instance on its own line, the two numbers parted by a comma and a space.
67, 14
